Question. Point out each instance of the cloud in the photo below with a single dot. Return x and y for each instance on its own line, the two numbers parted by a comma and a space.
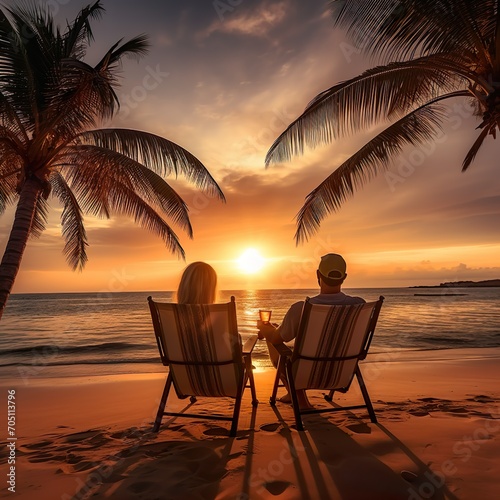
256, 22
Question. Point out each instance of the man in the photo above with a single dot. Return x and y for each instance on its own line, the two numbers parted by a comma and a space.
331, 274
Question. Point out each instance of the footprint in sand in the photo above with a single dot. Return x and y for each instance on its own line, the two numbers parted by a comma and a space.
82, 436
434, 400
176, 427
82, 466
36, 446
277, 487
409, 476
216, 431
40, 457
458, 411
270, 427
419, 413
481, 398
72, 458
361, 428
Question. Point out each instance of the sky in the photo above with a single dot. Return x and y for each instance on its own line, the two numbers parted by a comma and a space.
223, 79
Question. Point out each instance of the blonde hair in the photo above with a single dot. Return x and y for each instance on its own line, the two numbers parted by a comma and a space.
198, 284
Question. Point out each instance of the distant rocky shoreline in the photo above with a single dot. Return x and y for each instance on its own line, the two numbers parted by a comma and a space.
463, 284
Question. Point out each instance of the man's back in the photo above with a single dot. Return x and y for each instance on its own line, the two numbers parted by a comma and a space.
289, 327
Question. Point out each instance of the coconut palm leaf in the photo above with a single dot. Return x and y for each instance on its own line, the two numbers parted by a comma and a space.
495, 41
407, 28
100, 194
40, 217
469, 158
115, 167
83, 97
79, 33
123, 200
10, 166
37, 40
8, 181
16, 77
73, 229
415, 128
11, 125
432, 50
136, 47
159, 154
118, 196
365, 100
91, 89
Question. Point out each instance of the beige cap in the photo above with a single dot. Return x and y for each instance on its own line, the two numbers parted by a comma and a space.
332, 266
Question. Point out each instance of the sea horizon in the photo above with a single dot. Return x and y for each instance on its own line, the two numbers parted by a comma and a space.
104, 332
344, 289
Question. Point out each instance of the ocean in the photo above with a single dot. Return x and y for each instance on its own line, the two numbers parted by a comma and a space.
111, 333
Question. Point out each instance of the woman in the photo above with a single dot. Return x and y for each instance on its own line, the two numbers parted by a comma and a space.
198, 284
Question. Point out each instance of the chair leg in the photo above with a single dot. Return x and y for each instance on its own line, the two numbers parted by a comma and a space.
249, 376
279, 370
293, 394
236, 414
366, 397
329, 396
163, 402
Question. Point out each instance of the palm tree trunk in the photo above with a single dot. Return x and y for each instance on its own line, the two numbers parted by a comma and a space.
18, 238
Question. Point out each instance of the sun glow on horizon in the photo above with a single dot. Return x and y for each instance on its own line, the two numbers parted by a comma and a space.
250, 261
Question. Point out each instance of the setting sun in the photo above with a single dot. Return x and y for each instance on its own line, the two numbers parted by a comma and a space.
250, 261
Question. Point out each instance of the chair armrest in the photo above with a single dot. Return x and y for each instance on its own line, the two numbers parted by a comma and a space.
283, 350
249, 345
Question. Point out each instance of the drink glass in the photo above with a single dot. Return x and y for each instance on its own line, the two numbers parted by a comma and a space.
265, 315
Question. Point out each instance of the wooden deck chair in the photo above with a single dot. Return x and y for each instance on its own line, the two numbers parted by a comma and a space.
202, 348
330, 342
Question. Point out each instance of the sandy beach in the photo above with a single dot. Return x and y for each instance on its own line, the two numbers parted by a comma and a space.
437, 437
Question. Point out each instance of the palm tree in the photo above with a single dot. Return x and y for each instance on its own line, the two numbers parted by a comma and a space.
429, 51
51, 102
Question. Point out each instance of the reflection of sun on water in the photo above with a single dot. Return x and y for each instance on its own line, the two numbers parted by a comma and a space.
251, 301
250, 261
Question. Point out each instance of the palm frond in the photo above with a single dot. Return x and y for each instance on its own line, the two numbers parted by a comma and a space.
135, 48
73, 229
16, 76
495, 40
35, 24
126, 202
8, 182
408, 28
81, 99
365, 100
79, 33
40, 217
36, 70
91, 168
469, 158
418, 127
157, 153
11, 124
10, 168
103, 195
38, 43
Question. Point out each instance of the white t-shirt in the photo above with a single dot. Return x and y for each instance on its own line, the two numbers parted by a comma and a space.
288, 329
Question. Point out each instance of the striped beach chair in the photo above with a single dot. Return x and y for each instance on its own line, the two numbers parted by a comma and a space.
331, 341
201, 346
